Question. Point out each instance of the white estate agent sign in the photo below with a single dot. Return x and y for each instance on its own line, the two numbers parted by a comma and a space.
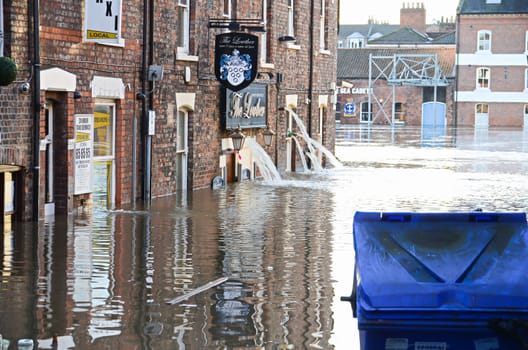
102, 22
83, 153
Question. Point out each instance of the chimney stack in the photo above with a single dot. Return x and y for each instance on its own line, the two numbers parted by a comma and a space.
413, 16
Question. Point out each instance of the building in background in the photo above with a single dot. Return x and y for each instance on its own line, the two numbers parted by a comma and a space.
118, 101
492, 70
401, 74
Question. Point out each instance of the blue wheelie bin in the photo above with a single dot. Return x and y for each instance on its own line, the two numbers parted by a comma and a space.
441, 281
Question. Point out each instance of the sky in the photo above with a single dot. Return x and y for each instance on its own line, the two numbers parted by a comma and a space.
388, 11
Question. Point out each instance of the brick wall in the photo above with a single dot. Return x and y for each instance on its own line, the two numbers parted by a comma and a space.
62, 46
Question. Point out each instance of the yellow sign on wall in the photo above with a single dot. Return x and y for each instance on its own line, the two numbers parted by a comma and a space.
102, 21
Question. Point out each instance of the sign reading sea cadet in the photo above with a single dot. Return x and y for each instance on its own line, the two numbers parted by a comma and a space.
236, 59
83, 153
102, 21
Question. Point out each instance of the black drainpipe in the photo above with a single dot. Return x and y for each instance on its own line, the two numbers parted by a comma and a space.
147, 45
310, 78
36, 109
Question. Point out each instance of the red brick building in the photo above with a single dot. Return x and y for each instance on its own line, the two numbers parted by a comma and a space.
492, 71
405, 76
127, 103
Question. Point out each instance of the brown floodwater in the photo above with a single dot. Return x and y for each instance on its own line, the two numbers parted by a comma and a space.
102, 279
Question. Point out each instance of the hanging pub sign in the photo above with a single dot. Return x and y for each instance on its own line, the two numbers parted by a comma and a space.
236, 59
247, 107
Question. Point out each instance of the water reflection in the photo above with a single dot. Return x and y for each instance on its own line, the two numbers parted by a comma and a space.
101, 280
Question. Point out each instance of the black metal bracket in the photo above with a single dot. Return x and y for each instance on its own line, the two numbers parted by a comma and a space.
252, 25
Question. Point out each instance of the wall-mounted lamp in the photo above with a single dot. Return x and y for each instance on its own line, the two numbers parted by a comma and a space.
76, 95
140, 96
268, 136
238, 139
286, 38
24, 88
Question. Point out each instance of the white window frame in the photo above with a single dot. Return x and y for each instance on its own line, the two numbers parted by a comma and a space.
483, 43
291, 17
526, 79
322, 26
183, 26
264, 36
227, 6
480, 77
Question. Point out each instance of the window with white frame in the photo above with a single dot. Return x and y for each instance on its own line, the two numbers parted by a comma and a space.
484, 41
322, 26
264, 36
483, 78
1, 28
291, 27
526, 79
183, 26
227, 8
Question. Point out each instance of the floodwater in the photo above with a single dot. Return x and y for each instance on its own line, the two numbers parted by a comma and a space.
102, 280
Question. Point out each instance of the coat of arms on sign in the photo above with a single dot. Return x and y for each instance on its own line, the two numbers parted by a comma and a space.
236, 57
235, 68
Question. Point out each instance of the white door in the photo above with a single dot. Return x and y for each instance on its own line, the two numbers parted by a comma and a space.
181, 150
49, 200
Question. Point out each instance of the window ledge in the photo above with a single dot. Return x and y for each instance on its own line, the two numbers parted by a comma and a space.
292, 46
186, 57
119, 43
267, 65
325, 52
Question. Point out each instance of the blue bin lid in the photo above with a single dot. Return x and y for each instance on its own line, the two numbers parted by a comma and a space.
474, 263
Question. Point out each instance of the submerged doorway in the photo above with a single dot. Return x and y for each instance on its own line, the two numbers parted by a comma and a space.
181, 150
49, 196
10, 191
104, 155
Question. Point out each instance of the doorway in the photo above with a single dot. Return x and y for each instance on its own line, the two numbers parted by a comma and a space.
104, 155
49, 196
181, 149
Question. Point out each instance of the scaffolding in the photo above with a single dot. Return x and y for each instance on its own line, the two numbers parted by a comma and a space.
420, 70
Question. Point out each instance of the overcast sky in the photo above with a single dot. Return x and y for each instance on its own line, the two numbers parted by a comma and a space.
358, 12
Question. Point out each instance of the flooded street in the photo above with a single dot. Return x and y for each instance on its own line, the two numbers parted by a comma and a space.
101, 280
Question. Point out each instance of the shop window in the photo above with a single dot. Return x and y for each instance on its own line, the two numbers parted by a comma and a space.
104, 131
483, 78
183, 26
484, 41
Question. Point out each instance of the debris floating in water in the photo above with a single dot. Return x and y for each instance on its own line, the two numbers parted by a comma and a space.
197, 291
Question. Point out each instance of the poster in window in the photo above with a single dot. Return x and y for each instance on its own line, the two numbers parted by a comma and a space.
83, 153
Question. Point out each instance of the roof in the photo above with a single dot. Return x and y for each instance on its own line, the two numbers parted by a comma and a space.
367, 30
354, 63
402, 36
470, 7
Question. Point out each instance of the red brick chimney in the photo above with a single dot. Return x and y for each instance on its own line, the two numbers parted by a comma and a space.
413, 16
